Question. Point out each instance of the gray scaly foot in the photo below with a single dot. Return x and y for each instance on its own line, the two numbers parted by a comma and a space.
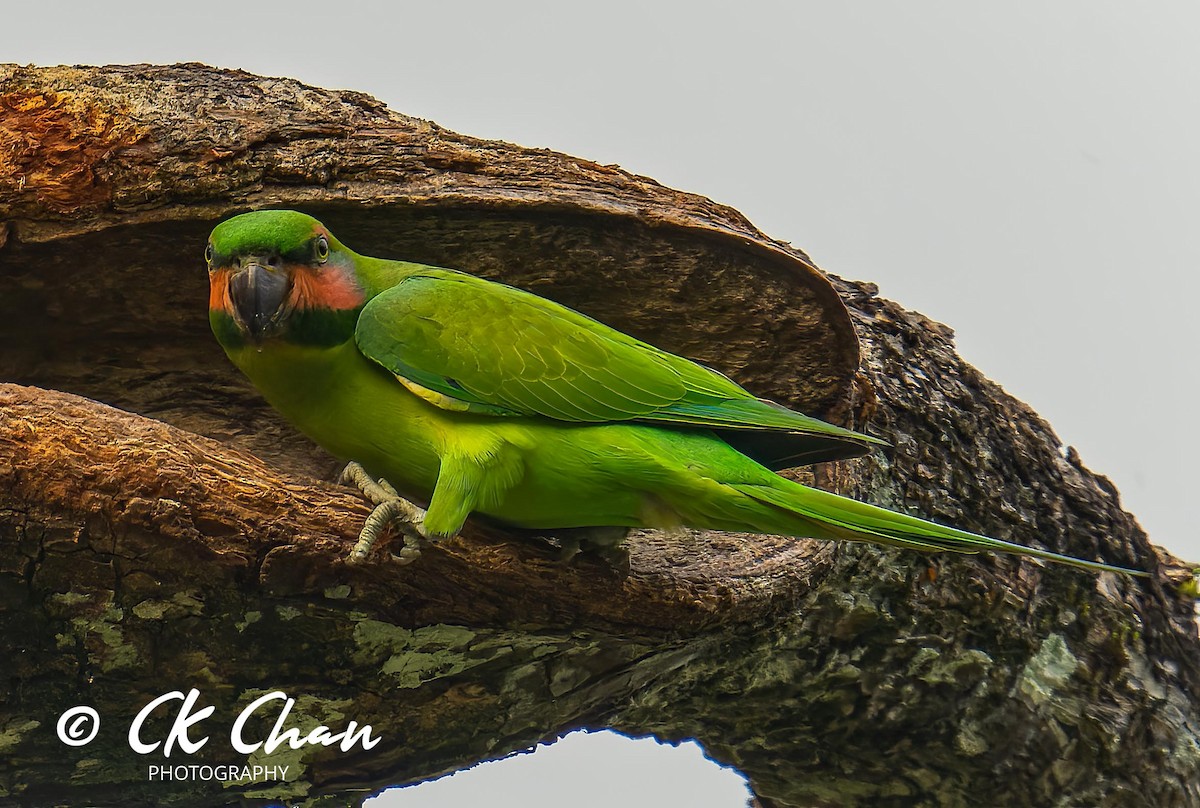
390, 508
605, 542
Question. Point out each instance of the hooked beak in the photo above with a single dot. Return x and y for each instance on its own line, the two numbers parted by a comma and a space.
258, 292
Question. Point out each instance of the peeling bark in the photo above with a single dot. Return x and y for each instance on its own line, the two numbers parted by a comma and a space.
137, 557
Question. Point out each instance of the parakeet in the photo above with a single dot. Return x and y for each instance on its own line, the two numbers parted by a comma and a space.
478, 397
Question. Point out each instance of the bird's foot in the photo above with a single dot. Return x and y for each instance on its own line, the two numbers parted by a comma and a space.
390, 508
616, 556
605, 542
568, 549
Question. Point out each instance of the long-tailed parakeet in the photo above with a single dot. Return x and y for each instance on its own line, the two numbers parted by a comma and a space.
481, 398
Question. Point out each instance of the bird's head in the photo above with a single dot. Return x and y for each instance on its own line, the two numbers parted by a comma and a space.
280, 274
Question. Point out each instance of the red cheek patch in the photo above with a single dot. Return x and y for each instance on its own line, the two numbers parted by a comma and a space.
218, 291
325, 289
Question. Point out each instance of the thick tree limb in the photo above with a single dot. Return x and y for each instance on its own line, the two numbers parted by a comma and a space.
155, 549
137, 557
134, 485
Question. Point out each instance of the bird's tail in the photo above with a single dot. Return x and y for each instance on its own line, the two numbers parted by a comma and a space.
825, 515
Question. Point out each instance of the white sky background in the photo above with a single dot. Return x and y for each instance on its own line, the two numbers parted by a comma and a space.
1025, 172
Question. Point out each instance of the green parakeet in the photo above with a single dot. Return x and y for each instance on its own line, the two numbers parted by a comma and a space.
481, 398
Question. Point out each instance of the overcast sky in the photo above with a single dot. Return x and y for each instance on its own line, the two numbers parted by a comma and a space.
1025, 172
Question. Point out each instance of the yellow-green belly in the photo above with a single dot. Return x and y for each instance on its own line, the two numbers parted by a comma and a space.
570, 475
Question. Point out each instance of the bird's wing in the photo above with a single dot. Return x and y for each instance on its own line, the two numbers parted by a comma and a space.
466, 343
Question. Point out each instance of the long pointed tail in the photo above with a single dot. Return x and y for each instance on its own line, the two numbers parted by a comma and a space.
857, 521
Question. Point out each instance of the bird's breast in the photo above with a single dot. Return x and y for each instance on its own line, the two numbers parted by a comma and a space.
352, 408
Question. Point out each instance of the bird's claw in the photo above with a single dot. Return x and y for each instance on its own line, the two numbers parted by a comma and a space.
570, 547
605, 542
390, 508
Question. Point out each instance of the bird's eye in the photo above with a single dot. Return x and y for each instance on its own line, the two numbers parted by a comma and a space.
208, 254
322, 249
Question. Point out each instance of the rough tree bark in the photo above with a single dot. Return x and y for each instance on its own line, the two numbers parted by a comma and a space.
137, 557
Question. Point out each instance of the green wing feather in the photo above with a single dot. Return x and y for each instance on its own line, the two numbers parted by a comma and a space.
496, 349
